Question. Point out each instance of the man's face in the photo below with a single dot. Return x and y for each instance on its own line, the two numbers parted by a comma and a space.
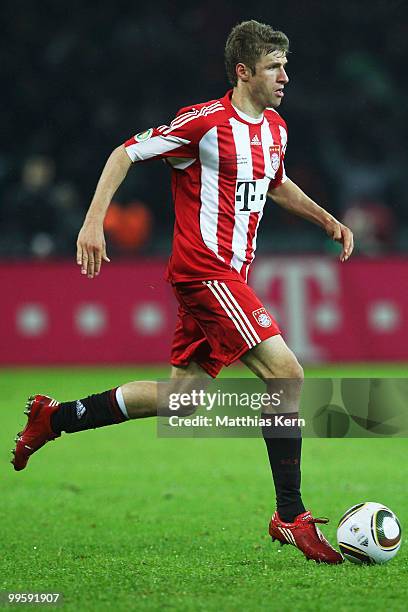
266, 85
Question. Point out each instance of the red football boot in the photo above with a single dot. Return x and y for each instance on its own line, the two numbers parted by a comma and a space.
37, 432
304, 534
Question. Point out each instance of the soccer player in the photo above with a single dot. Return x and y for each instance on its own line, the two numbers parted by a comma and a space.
226, 157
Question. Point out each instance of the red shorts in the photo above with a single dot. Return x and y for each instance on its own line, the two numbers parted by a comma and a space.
218, 321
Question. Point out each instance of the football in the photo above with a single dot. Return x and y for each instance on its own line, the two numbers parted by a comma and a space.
369, 533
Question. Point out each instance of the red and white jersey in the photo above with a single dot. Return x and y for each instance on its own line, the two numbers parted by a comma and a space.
223, 165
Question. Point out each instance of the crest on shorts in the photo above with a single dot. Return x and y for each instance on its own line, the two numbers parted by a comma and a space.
142, 136
274, 152
262, 317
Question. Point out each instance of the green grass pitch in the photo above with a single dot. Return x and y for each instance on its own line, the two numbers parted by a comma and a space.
119, 519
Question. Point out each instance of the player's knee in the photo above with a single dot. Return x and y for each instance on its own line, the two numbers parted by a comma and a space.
287, 368
176, 404
182, 405
182, 394
294, 370
185, 411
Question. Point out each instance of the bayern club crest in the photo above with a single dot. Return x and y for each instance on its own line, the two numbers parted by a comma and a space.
262, 317
274, 152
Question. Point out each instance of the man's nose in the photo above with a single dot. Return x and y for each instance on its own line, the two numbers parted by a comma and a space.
283, 77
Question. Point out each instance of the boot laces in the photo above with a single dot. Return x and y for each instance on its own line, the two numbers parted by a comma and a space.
323, 520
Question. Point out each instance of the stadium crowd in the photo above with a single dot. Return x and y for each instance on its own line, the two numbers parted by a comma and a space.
80, 78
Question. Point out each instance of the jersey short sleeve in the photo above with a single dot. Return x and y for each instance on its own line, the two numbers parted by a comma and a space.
179, 139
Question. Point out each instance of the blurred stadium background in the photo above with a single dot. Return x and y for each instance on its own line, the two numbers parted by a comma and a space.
117, 515
80, 78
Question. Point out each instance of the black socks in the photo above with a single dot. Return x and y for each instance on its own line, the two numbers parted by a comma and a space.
284, 456
88, 413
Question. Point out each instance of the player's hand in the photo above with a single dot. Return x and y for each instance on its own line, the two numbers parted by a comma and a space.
341, 233
91, 248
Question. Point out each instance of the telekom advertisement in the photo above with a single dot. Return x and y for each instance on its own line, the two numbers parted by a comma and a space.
50, 314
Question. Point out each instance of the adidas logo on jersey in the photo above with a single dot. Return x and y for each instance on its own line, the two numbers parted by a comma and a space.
255, 140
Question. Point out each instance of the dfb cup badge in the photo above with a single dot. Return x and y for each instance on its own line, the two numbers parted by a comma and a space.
262, 317
142, 136
274, 152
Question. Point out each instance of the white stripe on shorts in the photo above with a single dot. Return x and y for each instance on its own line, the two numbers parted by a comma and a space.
250, 341
239, 309
231, 311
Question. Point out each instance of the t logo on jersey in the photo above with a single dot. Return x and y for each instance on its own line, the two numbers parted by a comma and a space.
274, 152
249, 196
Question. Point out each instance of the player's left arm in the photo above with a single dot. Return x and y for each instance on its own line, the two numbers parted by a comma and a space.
289, 196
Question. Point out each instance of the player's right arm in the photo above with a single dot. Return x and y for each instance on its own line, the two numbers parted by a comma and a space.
91, 245
179, 141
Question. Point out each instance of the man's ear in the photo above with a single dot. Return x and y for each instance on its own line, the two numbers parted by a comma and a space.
243, 72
